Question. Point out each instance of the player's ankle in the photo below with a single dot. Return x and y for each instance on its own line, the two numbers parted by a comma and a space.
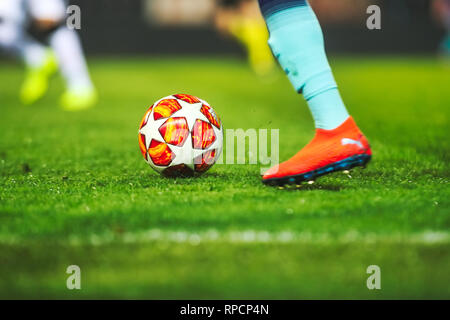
347, 127
328, 109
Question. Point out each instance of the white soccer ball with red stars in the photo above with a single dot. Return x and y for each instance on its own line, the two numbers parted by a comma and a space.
181, 135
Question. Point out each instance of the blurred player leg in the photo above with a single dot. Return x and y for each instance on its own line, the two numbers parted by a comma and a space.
49, 17
39, 61
41, 65
80, 92
296, 40
242, 19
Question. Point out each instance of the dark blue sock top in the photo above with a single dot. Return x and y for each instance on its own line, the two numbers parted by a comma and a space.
269, 7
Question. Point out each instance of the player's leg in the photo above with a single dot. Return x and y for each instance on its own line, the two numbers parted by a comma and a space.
242, 19
49, 18
296, 40
39, 62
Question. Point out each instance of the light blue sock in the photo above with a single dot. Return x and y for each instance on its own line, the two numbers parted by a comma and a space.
297, 41
328, 109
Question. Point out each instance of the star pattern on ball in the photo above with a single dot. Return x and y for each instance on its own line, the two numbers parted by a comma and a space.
191, 112
151, 130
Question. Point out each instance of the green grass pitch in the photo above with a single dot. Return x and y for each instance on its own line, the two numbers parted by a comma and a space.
74, 190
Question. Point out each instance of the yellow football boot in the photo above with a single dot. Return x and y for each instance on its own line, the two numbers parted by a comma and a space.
36, 80
252, 32
77, 100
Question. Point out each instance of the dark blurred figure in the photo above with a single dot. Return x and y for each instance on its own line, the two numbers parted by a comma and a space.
441, 12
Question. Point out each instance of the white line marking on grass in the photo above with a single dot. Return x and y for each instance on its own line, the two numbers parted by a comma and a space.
244, 236
260, 236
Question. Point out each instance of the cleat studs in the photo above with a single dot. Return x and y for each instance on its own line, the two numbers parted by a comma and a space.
347, 172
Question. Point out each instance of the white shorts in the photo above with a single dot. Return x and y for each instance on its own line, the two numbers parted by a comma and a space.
12, 11
46, 9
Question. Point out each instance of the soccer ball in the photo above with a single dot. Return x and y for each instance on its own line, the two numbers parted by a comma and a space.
181, 135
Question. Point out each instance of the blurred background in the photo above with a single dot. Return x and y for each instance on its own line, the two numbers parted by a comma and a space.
186, 26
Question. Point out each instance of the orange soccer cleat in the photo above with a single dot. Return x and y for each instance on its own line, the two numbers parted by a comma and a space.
330, 150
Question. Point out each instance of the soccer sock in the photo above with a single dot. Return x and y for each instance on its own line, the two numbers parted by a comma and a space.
67, 47
32, 52
297, 42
